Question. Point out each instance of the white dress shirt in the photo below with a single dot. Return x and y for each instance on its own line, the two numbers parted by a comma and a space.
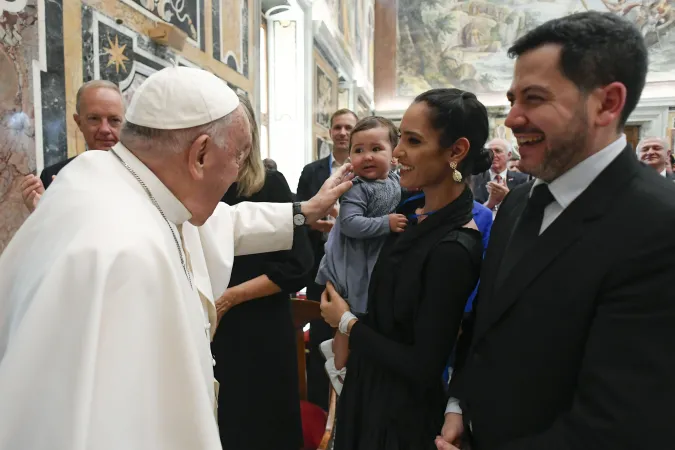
565, 189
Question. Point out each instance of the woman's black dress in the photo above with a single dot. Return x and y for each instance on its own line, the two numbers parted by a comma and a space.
393, 396
254, 346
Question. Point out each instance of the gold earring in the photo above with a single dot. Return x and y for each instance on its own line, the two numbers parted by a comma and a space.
456, 174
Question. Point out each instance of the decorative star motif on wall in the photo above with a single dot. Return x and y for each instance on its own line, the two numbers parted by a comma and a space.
117, 57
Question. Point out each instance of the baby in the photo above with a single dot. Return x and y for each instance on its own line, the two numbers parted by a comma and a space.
365, 220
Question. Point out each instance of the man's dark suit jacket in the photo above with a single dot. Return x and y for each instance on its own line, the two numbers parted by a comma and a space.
53, 170
313, 176
479, 182
575, 350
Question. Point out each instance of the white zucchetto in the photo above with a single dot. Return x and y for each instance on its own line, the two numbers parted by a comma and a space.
180, 97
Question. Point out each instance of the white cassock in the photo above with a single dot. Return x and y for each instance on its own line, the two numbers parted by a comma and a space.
104, 342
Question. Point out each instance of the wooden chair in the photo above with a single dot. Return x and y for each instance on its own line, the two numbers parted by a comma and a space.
305, 311
330, 422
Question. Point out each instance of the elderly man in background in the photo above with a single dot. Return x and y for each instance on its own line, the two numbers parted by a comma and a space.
99, 115
490, 187
655, 152
104, 337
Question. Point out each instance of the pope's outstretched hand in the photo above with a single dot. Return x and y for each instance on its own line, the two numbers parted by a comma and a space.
321, 204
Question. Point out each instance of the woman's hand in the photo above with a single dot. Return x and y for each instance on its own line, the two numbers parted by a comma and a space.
227, 301
333, 306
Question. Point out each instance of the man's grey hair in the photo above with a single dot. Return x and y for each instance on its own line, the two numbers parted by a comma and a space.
504, 142
663, 142
145, 139
94, 84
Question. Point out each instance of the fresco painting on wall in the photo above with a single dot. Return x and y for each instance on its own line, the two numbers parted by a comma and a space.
324, 98
457, 43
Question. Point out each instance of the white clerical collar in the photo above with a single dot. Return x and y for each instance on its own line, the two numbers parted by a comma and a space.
501, 174
174, 210
568, 186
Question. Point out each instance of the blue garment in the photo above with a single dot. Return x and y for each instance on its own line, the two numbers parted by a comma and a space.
483, 218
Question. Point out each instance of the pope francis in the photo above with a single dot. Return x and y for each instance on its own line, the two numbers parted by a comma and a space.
107, 290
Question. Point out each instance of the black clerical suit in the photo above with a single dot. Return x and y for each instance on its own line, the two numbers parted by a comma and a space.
53, 170
313, 176
575, 348
479, 184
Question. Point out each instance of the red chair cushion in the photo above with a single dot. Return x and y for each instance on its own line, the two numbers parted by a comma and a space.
313, 424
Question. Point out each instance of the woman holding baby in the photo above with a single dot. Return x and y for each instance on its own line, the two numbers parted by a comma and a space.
428, 265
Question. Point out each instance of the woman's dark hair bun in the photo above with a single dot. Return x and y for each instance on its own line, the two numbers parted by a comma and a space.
482, 161
457, 114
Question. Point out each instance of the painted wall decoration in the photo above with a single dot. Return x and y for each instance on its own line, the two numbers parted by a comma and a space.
41, 69
362, 108
462, 43
370, 31
352, 23
187, 15
232, 33
343, 97
322, 147
116, 53
324, 98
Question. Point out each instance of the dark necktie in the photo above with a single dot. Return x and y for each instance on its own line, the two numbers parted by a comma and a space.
527, 228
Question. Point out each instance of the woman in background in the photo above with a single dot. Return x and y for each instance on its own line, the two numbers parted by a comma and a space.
254, 345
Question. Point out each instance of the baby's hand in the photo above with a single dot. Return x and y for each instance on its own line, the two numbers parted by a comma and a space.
397, 222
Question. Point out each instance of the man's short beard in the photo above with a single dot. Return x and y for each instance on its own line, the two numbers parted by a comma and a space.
562, 151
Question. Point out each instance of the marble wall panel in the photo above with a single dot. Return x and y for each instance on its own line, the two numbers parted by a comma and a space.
187, 15
32, 110
232, 33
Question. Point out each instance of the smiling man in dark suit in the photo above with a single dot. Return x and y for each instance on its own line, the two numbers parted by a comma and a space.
490, 187
572, 339
312, 178
99, 113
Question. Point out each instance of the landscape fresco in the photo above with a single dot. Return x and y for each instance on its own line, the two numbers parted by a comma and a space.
453, 43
